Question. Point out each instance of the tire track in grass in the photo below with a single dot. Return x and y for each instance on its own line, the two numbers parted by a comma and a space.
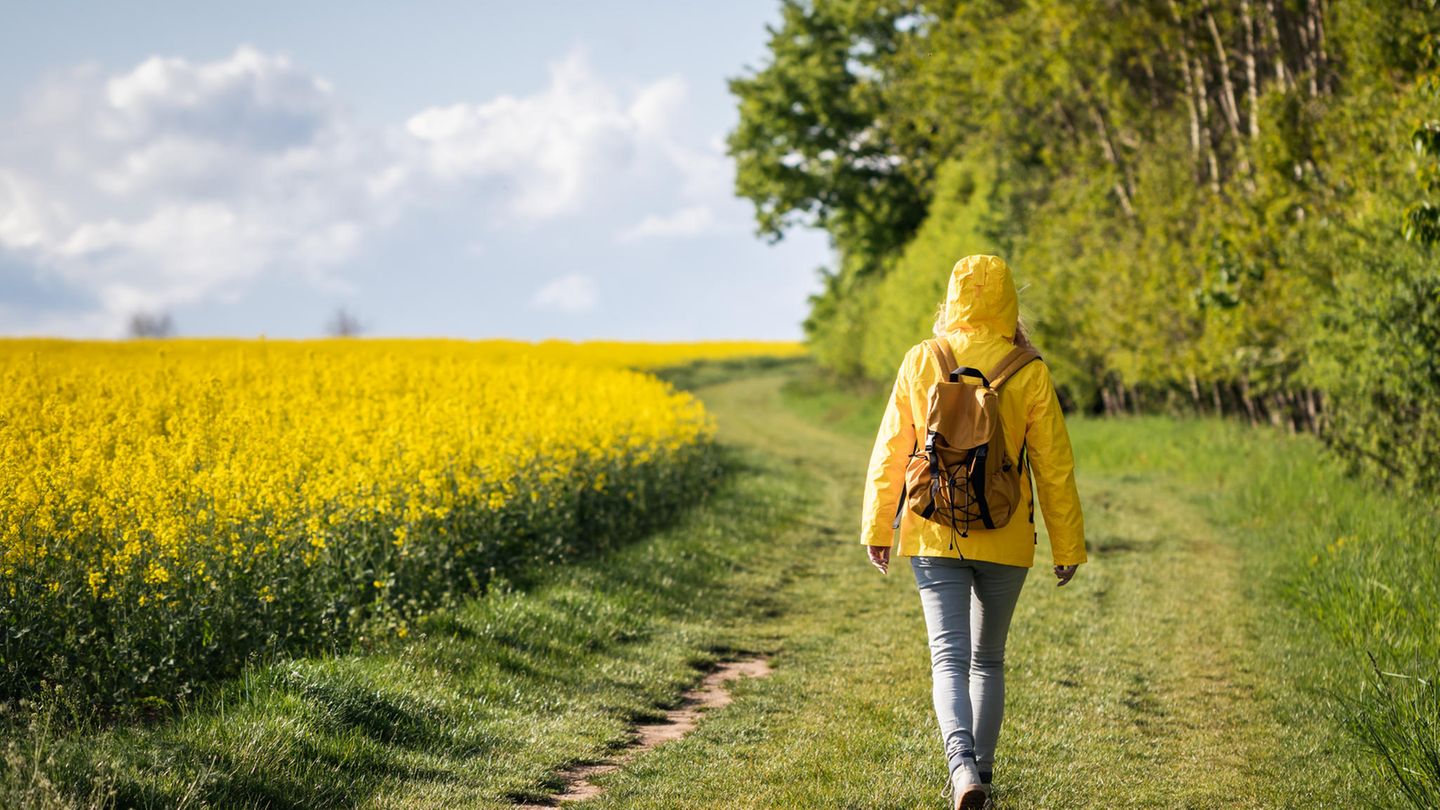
1143, 693
710, 694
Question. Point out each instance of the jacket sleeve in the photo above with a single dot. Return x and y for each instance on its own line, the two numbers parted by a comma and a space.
886, 477
1054, 464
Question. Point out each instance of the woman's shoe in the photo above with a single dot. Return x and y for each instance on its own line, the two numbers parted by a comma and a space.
969, 791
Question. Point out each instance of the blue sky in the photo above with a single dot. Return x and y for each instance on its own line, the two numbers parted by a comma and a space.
531, 170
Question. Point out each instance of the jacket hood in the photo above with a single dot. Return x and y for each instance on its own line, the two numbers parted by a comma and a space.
981, 297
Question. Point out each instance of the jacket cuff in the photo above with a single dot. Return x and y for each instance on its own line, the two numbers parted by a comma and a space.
877, 538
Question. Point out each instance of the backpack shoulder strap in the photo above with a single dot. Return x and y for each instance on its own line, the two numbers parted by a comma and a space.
1011, 363
940, 348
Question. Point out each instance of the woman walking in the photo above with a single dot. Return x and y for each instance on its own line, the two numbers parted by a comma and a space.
969, 576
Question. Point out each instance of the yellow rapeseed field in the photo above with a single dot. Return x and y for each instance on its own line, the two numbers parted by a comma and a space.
209, 498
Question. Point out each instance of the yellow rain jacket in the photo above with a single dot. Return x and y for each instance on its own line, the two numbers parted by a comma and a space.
980, 316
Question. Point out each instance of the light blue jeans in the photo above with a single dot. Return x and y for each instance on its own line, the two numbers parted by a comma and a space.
968, 605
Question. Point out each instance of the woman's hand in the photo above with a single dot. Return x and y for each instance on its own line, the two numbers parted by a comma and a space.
1064, 573
879, 557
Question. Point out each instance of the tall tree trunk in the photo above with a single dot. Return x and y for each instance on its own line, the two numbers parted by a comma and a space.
1252, 74
1282, 71
1124, 186
1308, 53
1202, 80
1315, 19
1192, 69
1190, 107
1228, 105
1245, 400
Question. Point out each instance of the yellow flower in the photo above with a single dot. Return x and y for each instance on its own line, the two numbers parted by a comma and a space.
130, 463
156, 574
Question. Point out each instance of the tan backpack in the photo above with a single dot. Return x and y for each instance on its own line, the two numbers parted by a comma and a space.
964, 477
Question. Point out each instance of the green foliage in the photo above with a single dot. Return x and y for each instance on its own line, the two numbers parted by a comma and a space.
1189, 189
1422, 224
1381, 373
1395, 717
1422, 219
902, 309
813, 147
837, 322
820, 144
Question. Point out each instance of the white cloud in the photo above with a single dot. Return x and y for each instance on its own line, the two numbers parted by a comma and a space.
181, 181
691, 221
550, 148
655, 105
252, 98
571, 293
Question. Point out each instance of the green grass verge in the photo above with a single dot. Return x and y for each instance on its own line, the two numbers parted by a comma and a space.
697, 374
1351, 572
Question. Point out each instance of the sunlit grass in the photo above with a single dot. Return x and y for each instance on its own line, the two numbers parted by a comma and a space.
1355, 568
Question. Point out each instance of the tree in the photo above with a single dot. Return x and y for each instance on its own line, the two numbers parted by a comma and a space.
151, 325
1422, 219
814, 145
817, 146
1200, 194
344, 324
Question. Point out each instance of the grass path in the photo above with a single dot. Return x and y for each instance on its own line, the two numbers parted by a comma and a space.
1148, 682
